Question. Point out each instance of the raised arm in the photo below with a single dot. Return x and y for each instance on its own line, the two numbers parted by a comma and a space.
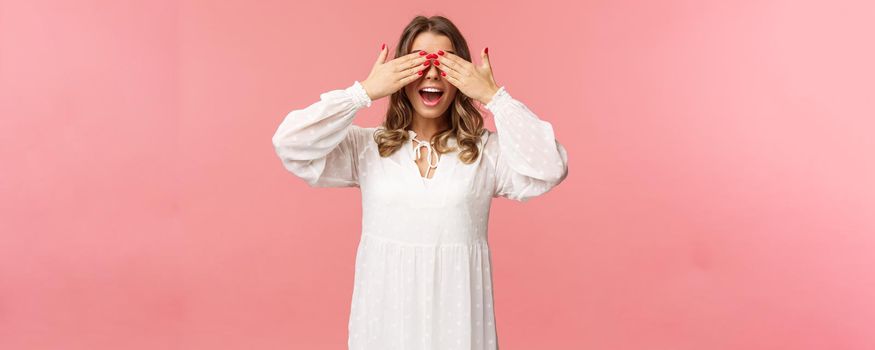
526, 158
320, 144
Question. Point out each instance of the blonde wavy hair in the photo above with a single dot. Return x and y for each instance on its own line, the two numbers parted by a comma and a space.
465, 120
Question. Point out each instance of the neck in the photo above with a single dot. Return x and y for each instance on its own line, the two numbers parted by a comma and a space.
425, 128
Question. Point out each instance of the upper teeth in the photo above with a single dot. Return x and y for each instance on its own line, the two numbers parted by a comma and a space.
431, 89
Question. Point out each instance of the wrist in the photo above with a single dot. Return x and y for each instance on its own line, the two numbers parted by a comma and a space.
489, 95
366, 86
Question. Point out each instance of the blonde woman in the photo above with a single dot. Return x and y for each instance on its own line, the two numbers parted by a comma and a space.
427, 177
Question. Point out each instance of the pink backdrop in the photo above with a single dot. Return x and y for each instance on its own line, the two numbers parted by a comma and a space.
721, 188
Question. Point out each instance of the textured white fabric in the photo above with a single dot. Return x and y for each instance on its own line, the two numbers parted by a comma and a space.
422, 273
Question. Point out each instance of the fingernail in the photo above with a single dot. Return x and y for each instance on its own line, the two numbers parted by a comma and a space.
441, 52
420, 72
486, 50
383, 47
444, 74
437, 63
422, 53
426, 63
432, 56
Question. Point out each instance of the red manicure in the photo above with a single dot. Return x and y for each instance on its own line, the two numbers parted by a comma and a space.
426, 63
420, 72
486, 50
421, 53
444, 73
441, 52
431, 56
437, 63
383, 47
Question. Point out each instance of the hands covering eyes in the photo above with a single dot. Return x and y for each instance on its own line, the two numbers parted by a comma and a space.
475, 81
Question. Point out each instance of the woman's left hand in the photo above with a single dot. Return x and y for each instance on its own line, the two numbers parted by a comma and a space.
475, 81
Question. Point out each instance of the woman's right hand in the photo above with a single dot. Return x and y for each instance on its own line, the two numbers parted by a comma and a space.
387, 77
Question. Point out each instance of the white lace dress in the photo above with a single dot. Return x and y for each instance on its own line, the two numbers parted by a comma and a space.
422, 273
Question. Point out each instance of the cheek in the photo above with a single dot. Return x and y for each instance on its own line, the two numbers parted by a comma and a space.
451, 94
410, 92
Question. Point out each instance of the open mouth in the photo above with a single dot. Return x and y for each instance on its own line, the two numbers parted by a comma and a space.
431, 96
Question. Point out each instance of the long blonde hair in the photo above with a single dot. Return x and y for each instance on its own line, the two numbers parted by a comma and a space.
465, 120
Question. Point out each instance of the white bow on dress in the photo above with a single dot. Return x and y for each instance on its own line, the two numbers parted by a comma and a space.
430, 150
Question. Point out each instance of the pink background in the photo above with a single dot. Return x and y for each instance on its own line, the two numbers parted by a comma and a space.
721, 188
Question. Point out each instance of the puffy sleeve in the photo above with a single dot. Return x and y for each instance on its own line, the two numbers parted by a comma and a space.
526, 158
320, 144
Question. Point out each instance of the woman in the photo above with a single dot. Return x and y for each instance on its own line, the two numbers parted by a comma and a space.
427, 177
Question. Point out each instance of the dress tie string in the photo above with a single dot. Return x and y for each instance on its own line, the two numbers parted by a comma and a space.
429, 149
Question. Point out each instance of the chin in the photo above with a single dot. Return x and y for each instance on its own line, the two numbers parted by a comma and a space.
431, 113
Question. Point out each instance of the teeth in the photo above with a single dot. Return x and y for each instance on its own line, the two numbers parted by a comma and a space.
431, 89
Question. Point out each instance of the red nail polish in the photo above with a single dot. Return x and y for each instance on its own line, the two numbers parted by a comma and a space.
441, 52
383, 47
486, 50
443, 73
431, 56
426, 63
437, 63
422, 53
420, 72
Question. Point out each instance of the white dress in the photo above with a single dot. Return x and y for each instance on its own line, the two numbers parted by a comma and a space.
422, 270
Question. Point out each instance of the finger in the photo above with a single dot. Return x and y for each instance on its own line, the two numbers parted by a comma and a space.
453, 80
406, 61
384, 51
484, 59
408, 57
409, 78
413, 71
448, 67
416, 62
453, 59
453, 65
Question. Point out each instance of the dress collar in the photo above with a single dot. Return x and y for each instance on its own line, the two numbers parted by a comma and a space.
450, 142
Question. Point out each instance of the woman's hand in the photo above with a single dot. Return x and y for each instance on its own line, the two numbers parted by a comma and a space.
387, 77
475, 81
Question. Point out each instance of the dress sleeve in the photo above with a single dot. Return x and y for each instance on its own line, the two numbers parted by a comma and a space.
320, 144
526, 158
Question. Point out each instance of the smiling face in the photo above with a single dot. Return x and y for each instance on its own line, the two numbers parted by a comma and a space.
423, 103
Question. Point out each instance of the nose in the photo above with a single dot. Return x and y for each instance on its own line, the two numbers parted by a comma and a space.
432, 72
